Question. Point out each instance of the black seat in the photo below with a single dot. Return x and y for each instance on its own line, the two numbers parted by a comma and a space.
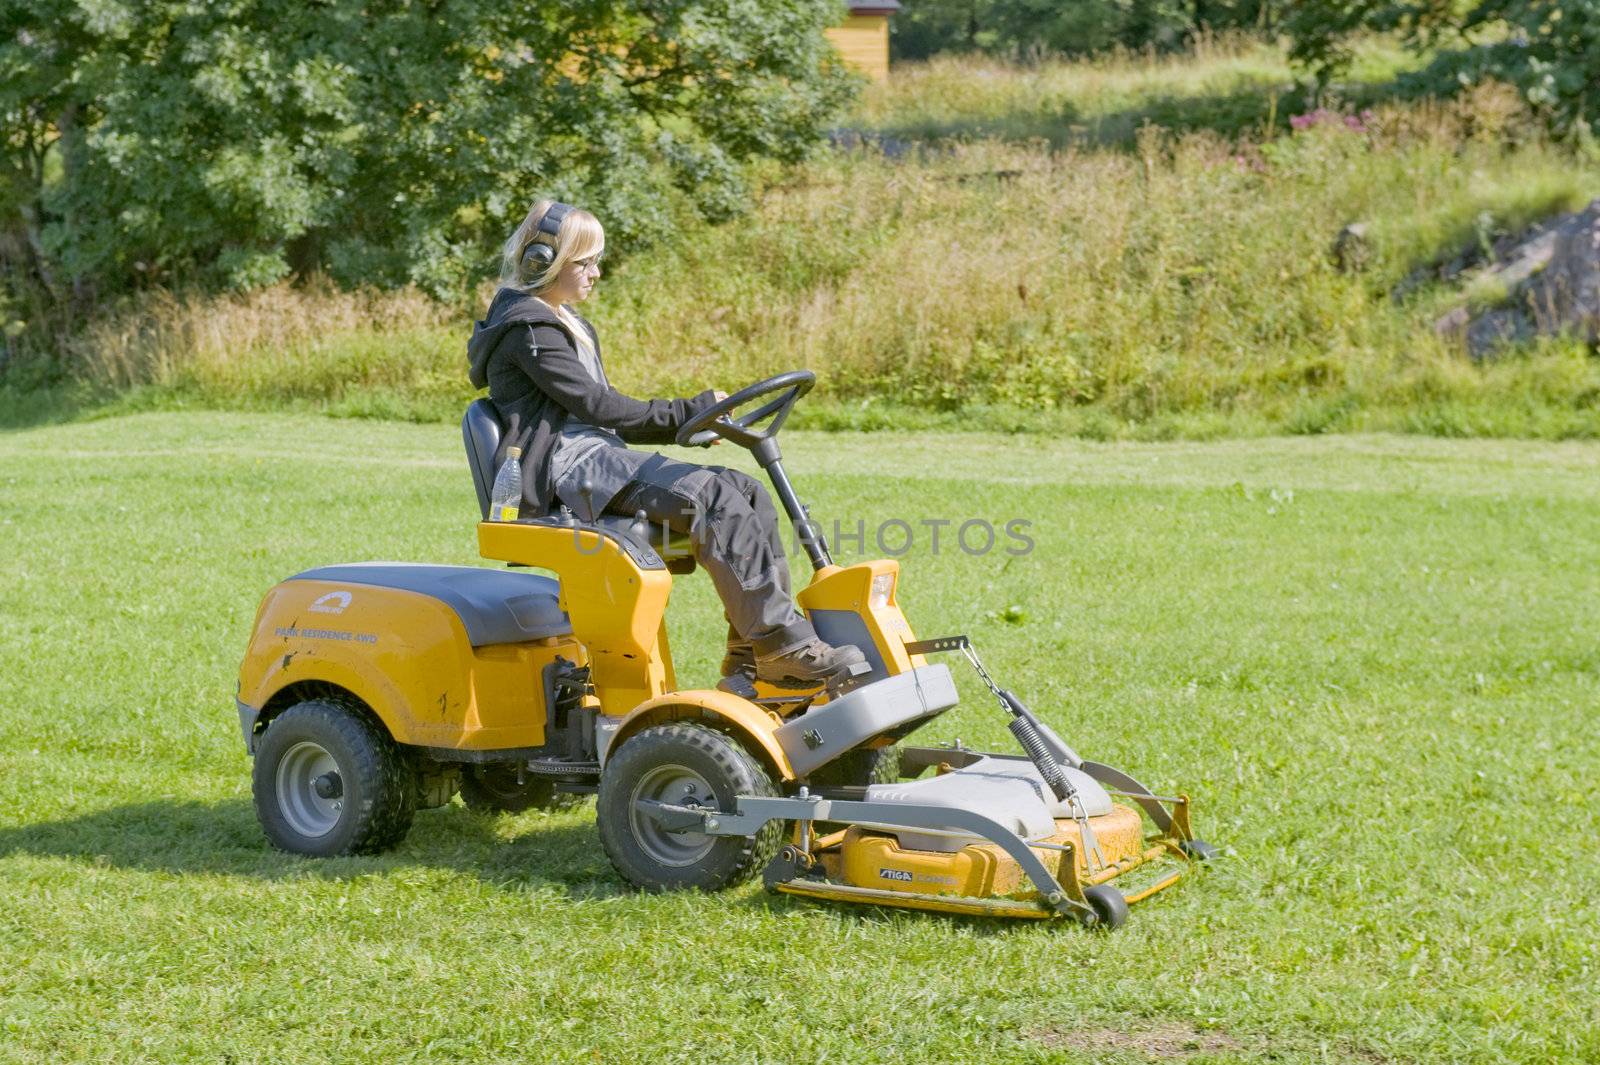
494, 606
481, 430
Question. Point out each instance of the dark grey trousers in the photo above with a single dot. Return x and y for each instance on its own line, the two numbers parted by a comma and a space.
735, 534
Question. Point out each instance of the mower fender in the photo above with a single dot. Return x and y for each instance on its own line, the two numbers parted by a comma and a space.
740, 717
372, 690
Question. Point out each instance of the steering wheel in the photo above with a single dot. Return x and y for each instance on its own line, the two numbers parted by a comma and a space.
713, 423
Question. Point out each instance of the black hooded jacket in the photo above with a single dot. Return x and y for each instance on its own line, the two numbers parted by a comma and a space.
528, 360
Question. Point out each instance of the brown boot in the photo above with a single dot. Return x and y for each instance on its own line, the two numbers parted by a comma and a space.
739, 667
810, 663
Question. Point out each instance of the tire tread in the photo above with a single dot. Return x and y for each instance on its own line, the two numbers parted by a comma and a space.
742, 773
378, 760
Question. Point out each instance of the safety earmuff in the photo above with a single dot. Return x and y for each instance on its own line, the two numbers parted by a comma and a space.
539, 257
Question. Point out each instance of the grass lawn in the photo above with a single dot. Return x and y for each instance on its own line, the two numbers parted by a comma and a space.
1372, 661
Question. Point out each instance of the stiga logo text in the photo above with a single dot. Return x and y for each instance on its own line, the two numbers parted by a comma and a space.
894, 874
332, 603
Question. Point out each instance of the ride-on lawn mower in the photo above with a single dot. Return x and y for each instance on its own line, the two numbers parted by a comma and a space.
375, 689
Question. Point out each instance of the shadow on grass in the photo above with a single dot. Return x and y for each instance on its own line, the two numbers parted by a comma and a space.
560, 851
866, 916
22, 409
1259, 109
32, 408
39, 406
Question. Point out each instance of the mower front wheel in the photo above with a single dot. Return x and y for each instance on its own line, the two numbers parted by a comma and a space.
860, 768
328, 780
681, 765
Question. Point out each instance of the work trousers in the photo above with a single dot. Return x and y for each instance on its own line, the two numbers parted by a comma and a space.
735, 535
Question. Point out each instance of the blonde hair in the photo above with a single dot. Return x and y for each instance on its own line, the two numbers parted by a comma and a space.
578, 237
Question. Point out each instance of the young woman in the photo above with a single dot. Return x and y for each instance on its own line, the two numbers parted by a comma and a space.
541, 364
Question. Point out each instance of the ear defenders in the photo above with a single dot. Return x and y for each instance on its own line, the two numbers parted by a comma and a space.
538, 257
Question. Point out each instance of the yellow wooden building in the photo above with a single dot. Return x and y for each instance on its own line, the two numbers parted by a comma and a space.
863, 38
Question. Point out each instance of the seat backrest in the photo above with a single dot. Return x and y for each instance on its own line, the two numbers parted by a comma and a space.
480, 432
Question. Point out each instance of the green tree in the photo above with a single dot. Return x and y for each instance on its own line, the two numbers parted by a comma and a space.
1550, 49
927, 27
233, 142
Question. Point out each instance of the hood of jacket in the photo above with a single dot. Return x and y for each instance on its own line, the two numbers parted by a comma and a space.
507, 310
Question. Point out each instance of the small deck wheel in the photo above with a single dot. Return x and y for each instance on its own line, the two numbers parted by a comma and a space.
1198, 850
1108, 905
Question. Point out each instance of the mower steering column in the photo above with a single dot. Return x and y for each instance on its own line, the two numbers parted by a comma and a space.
816, 548
718, 422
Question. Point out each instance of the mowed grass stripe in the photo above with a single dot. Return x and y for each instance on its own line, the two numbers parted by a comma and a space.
1366, 462
1371, 660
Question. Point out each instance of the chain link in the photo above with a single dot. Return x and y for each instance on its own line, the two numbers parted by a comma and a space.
972, 656
1095, 858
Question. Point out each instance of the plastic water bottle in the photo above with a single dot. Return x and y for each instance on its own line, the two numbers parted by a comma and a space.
506, 498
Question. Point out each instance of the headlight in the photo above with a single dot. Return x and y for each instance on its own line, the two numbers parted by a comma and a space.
882, 588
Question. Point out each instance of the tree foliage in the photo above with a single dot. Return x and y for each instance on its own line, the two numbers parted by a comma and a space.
1550, 49
1022, 26
386, 141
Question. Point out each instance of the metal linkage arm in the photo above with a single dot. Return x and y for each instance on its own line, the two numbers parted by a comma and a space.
756, 811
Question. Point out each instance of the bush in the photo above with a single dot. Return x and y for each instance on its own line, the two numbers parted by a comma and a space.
1029, 27
229, 145
1549, 49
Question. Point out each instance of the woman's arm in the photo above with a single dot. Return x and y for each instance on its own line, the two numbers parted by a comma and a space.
545, 354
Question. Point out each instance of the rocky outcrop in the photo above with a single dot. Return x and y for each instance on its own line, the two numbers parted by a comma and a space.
1550, 281
1352, 248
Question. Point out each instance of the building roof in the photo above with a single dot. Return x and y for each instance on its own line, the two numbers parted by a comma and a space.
873, 7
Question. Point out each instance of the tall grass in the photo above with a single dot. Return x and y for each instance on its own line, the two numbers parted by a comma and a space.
275, 345
1174, 282
1191, 276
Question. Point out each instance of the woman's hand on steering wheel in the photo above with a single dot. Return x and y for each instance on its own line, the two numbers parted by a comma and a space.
718, 395
714, 423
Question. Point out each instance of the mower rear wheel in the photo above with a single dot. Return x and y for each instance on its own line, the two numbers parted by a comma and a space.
681, 764
1108, 905
328, 780
493, 788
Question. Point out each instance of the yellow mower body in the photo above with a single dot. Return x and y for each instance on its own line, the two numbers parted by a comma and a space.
406, 657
